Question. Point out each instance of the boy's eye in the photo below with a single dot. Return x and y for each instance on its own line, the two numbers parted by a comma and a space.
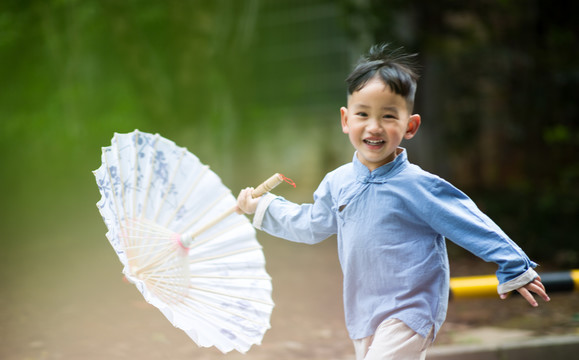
361, 113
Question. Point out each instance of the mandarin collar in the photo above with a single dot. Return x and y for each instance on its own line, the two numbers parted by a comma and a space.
384, 172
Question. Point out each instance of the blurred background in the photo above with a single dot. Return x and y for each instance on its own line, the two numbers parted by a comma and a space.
254, 87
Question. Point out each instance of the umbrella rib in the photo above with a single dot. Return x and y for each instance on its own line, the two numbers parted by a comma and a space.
167, 294
158, 261
164, 267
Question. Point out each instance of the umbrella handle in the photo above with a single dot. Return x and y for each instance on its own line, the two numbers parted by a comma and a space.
267, 185
261, 189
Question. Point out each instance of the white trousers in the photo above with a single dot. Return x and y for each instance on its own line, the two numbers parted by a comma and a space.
393, 340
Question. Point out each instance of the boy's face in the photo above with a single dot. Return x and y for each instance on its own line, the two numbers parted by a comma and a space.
376, 120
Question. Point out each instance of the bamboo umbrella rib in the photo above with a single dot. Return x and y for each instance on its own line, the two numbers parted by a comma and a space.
172, 277
168, 295
180, 280
153, 260
164, 276
170, 265
157, 260
153, 275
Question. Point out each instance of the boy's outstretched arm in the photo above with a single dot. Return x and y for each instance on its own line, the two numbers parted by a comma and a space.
535, 286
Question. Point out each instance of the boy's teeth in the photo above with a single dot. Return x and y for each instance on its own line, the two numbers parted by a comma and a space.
373, 142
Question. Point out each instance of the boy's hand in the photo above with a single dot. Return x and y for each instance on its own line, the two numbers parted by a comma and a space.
245, 202
535, 286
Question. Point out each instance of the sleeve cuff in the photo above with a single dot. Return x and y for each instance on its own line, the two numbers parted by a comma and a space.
517, 282
261, 208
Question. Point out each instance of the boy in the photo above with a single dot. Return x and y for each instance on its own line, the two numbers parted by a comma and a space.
391, 218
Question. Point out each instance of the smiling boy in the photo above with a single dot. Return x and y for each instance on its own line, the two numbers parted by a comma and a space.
391, 219
376, 120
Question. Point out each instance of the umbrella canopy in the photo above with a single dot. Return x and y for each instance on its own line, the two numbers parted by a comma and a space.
213, 286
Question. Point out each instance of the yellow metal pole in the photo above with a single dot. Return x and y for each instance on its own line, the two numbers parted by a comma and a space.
486, 286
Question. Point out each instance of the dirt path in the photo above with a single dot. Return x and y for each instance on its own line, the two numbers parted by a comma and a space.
62, 302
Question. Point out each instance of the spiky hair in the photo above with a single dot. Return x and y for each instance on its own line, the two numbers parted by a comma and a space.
394, 67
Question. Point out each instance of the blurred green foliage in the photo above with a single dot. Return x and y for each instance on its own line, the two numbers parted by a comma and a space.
239, 83
254, 87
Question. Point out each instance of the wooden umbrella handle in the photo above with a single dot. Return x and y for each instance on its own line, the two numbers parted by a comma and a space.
263, 188
267, 185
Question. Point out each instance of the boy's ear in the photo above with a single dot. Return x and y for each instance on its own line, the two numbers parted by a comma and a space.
344, 117
413, 125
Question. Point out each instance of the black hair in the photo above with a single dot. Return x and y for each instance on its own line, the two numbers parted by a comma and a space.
396, 68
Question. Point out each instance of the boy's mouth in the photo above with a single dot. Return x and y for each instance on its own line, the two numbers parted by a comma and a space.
374, 142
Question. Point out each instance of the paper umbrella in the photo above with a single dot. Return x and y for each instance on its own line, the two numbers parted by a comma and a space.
173, 226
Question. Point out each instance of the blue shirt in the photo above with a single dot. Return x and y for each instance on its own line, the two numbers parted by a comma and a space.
391, 225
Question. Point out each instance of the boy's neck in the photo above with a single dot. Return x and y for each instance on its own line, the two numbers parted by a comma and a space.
398, 151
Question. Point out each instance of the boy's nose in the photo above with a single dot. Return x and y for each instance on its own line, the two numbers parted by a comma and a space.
374, 126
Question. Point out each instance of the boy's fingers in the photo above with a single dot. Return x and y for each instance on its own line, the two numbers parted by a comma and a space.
528, 296
538, 288
538, 282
